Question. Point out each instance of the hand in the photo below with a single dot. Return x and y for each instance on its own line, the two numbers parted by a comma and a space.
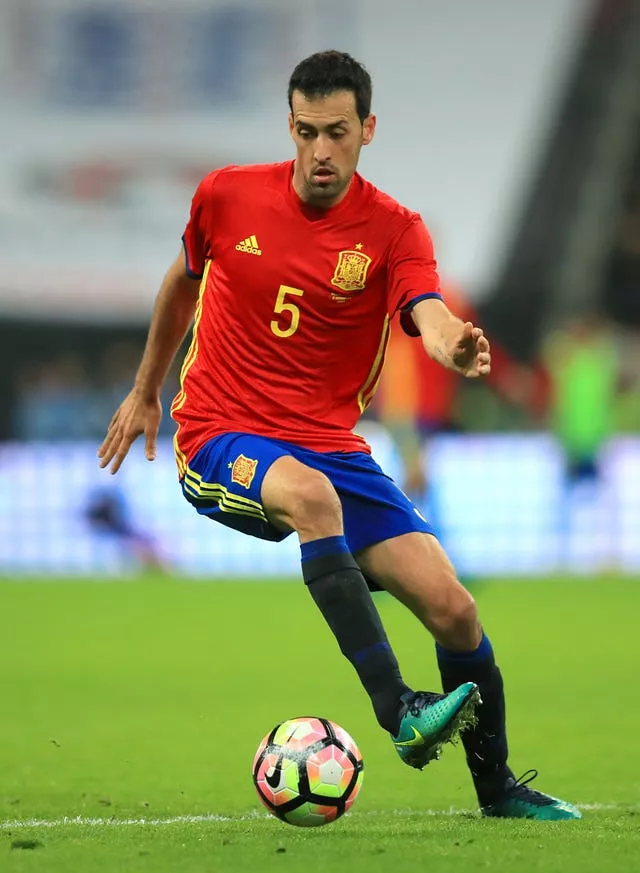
135, 416
471, 353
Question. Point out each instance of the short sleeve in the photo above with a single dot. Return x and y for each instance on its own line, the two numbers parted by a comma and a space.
413, 274
195, 239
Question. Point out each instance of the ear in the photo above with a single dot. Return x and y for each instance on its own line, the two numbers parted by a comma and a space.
291, 123
368, 129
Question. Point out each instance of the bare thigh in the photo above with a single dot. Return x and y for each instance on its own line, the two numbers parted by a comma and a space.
297, 497
416, 570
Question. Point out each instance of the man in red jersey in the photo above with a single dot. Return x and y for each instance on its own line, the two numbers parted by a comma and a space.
293, 272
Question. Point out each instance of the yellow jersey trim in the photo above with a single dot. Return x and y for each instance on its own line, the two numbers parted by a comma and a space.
365, 395
190, 357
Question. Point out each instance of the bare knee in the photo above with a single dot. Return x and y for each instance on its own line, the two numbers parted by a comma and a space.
303, 499
315, 507
416, 570
454, 623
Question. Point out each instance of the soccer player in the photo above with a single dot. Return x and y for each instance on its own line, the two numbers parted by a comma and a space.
291, 273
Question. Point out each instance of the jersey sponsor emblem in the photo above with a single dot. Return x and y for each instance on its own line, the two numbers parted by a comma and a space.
350, 274
249, 245
243, 471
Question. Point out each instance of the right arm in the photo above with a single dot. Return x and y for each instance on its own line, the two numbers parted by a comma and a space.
141, 411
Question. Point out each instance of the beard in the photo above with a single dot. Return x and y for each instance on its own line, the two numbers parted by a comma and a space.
322, 193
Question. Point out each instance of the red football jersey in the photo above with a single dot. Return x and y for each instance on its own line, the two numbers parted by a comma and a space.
293, 317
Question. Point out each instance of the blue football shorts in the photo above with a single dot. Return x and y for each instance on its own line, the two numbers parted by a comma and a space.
224, 482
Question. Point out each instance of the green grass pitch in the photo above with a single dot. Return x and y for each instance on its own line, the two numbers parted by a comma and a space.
138, 706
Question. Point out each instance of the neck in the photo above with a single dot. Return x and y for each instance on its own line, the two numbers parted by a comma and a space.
308, 199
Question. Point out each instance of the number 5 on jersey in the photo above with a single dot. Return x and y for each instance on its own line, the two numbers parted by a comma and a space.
289, 324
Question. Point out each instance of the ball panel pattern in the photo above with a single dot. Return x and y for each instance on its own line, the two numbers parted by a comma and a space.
308, 771
311, 815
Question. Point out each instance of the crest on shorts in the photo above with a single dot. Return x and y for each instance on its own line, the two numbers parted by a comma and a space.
350, 274
243, 471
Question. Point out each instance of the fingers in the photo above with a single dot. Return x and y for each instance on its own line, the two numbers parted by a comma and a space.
150, 443
477, 349
116, 447
111, 430
108, 447
114, 419
467, 331
133, 418
483, 354
121, 450
474, 338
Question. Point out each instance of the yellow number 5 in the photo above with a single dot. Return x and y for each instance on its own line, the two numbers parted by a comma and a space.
283, 306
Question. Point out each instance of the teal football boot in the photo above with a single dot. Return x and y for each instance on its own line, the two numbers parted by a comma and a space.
428, 721
519, 801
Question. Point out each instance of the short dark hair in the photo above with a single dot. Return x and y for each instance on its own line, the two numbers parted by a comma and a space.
325, 73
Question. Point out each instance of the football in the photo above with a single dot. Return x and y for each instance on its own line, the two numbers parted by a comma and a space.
308, 771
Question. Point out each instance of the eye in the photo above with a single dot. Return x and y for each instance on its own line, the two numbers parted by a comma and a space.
338, 134
303, 133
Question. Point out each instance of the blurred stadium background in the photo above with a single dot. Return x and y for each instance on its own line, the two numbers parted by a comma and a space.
514, 128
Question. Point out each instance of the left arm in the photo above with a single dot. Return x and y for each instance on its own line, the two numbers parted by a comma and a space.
455, 344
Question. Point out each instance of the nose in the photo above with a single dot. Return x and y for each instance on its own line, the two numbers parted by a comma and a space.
322, 151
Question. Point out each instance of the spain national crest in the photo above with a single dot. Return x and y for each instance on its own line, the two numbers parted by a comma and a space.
243, 471
351, 273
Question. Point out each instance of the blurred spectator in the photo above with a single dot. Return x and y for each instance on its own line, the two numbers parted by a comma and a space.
54, 402
69, 398
584, 371
109, 513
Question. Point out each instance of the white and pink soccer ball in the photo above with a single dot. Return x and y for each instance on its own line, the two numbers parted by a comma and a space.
308, 771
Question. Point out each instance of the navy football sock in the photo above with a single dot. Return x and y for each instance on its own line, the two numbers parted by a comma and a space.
485, 744
340, 592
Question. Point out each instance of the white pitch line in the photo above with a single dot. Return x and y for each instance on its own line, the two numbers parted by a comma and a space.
123, 822
25, 824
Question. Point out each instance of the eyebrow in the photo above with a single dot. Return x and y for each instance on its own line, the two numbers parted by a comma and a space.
331, 126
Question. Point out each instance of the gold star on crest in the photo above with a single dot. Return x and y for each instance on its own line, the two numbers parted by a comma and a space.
358, 246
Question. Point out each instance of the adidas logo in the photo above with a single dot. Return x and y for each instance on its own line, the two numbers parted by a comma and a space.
249, 245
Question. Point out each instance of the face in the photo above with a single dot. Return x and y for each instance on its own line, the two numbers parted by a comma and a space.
328, 135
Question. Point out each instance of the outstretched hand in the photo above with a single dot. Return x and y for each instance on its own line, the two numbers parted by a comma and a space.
134, 417
471, 353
